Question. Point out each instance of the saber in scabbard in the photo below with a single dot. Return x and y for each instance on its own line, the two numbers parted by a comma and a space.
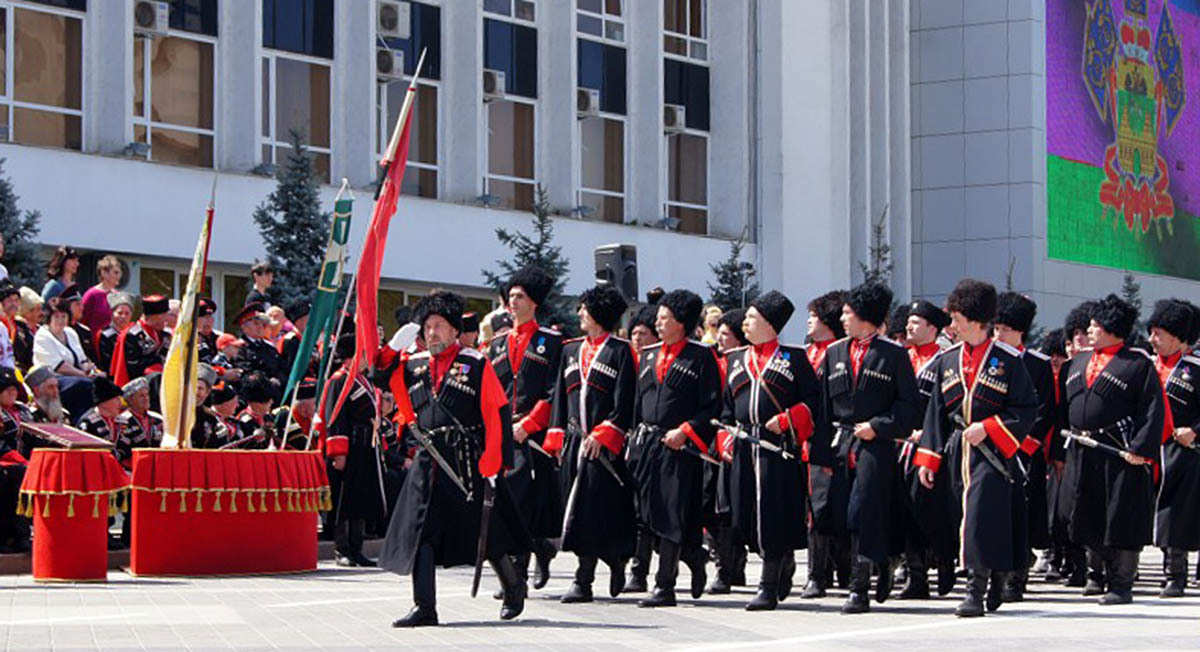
757, 441
985, 451
1093, 443
427, 444
489, 498
574, 430
700, 454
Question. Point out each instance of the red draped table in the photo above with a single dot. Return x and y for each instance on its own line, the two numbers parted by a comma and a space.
215, 512
70, 493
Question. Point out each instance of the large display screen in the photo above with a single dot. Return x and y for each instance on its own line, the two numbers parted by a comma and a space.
1123, 134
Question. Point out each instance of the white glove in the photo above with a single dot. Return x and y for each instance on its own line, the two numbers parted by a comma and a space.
404, 337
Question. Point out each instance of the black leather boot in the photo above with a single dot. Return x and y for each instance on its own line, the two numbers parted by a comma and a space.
818, 567
860, 583
1122, 568
1175, 560
725, 561
1014, 587
581, 588
424, 579
995, 594
697, 563
767, 597
883, 586
616, 577
544, 551
1076, 567
972, 604
1096, 567
513, 584
639, 566
664, 580
945, 577
787, 574
357, 528
917, 585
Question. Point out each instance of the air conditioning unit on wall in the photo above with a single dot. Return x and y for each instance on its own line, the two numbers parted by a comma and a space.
393, 19
587, 102
389, 64
151, 18
674, 118
493, 85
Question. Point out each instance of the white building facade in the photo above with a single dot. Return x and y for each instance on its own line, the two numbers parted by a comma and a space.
672, 125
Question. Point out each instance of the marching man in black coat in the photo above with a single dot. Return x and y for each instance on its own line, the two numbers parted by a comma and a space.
678, 396
1112, 397
1014, 318
771, 394
526, 362
869, 395
592, 412
1173, 327
982, 406
453, 401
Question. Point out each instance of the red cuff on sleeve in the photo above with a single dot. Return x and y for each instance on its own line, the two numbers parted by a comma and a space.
798, 417
385, 357
554, 441
538, 418
609, 436
1029, 445
928, 459
1005, 442
724, 441
691, 433
337, 445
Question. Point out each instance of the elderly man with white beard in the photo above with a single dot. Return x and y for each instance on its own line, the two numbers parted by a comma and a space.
47, 404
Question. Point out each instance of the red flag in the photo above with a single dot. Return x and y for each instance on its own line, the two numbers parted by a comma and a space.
366, 279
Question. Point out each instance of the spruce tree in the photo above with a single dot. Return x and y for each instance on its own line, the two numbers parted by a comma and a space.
18, 229
880, 269
537, 249
294, 229
1131, 292
734, 287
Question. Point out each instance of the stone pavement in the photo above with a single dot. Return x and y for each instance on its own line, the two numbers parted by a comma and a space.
335, 608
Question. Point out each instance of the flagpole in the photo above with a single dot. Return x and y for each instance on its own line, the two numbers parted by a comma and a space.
329, 363
183, 439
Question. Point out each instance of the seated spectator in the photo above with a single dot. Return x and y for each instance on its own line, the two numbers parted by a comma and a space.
106, 340
60, 272
224, 402
47, 402
14, 529
208, 431
29, 317
56, 346
96, 312
74, 301
101, 419
142, 348
229, 352
206, 333
139, 426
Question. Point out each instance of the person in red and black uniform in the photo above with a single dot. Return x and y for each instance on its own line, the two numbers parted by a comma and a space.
14, 529
592, 412
142, 348
352, 448
728, 548
139, 426
642, 335
255, 430
206, 334
526, 361
870, 397
771, 392
983, 384
1053, 345
101, 420
208, 431
1173, 327
289, 346
259, 354
928, 514
678, 396
453, 395
296, 435
1014, 318
1112, 393
828, 491
224, 403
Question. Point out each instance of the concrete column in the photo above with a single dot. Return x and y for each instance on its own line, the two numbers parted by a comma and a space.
239, 98
860, 134
730, 106
899, 145
557, 127
644, 78
353, 121
878, 111
108, 74
461, 124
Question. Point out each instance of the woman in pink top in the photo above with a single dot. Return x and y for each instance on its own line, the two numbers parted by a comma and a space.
96, 312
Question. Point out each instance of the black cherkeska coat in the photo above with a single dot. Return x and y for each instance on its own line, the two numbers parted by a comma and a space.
671, 483
1002, 398
357, 490
431, 508
884, 394
934, 511
766, 490
1035, 518
599, 519
534, 476
1112, 502
1178, 522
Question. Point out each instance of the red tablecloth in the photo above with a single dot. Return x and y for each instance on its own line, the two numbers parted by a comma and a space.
70, 493
213, 512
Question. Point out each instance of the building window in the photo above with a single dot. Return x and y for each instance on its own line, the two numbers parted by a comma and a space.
173, 86
686, 84
601, 67
686, 26
41, 64
511, 48
421, 174
299, 26
520, 10
296, 97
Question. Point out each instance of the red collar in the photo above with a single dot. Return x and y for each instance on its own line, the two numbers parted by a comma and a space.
1164, 366
762, 355
972, 359
439, 364
667, 355
927, 351
1109, 350
816, 352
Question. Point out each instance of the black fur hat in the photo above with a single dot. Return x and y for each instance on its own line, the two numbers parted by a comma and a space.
1015, 311
1055, 343
447, 304
871, 302
534, 280
775, 308
975, 300
685, 306
257, 388
1114, 315
828, 309
1193, 334
926, 310
104, 389
347, 342
643, 316
897, 322
732, 319
470, 323
605, 304
297, 310
1173, 316
1078, 319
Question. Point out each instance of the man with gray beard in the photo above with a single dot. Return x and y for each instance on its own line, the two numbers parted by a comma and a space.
47, 405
